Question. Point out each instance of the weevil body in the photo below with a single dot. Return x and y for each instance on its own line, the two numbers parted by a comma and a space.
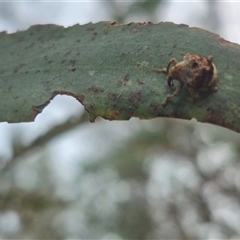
197, 72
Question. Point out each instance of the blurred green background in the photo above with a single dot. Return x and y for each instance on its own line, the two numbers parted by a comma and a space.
64, 178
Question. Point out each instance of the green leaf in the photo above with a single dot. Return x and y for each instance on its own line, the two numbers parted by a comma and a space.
108, 68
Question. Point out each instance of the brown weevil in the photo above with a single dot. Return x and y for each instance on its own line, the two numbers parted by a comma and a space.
199, 74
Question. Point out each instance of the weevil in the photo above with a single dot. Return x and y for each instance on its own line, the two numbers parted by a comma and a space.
197, 72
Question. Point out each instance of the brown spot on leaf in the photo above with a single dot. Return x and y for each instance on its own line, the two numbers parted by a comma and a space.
135, 97
140, 82
155, 106
31, 45
179, 114
124, 81
144, 24
16, 69
80, 98
111, 114
114, 23
126, 78
95, 90
73, 67
113, 96
218, 120
67, 53
72, 62
223, 42
41, 40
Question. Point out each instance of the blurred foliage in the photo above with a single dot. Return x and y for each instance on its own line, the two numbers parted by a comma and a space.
155, 179
126, 11
19, 15
165, 180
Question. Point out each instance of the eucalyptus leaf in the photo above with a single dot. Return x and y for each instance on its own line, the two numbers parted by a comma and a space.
108, 68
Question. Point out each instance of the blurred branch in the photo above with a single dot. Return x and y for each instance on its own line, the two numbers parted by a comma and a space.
173, 210
213, 19
69, 124
27, 201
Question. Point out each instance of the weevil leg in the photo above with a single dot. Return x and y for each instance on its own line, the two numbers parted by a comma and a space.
176, 93
160, 70
210, 58
172, 61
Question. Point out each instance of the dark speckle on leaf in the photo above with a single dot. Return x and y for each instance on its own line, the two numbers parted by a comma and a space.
124, 81
67, 53
113, 96
80, 98
31, 45
114, 23
140, 82
135, 97
73, 62
155, 106
95, 90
